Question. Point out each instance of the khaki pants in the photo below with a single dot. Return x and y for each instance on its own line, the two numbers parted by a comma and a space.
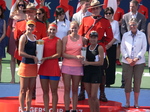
134, 72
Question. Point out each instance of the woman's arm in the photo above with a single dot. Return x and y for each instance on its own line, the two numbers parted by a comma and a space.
4, 31
100, 56
85, 41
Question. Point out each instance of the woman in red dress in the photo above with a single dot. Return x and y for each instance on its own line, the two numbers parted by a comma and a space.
49, 70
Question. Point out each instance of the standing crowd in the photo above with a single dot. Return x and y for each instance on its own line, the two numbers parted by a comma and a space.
103, 38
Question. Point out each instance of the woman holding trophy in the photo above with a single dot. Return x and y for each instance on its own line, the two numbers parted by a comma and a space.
28, 66
72, 69
49, 70
93, 70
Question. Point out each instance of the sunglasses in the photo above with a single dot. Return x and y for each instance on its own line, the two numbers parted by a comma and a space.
19, 5
62, 14
108, 13
38, 13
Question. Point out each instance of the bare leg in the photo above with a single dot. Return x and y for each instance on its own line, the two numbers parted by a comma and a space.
94, 99
67, 83
136, 98
31, 86
23, 88
127, 99
12, 68
54, 88
45, 88
88, 90
75, 84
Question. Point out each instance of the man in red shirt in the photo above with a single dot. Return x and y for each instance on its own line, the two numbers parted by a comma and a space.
142, 9
105, 35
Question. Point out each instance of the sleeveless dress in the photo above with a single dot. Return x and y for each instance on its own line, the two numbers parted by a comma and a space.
49, 67
73, 66
2, 43
92, 74
27, 67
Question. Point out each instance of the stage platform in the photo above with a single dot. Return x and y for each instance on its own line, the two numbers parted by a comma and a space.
11, 104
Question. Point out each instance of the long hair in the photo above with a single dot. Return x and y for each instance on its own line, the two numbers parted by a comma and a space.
44, 19
2, 14
16, 8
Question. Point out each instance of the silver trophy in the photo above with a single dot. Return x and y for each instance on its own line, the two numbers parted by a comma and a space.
83, 52
39, 50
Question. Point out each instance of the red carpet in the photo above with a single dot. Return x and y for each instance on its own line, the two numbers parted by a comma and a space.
11, 104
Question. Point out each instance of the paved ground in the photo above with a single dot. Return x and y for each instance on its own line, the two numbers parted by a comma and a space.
114, 94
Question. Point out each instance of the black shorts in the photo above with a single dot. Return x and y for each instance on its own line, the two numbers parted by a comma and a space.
92, 75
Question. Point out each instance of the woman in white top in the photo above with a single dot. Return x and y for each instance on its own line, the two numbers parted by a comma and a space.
111, 47
133, 48
63, 24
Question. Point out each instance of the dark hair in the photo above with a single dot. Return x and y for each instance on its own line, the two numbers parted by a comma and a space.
59, 11
43, 11
109, 9
93, 33
2, 14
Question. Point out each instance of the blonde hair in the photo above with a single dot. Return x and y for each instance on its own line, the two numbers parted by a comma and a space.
74, 22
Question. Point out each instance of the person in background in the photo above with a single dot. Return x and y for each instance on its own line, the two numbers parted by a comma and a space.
102, 26
133, 49
72, 69
93, 70
83, 12
63, 24
47, 11
118, 17
20, 27
28, 66
133, 14
41, 16
15, 16
111, 47
3, 5
142, 9
2, 36
71, 9
49, 70
141, 26
148, 38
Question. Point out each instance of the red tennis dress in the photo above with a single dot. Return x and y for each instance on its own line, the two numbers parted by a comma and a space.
50, 67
